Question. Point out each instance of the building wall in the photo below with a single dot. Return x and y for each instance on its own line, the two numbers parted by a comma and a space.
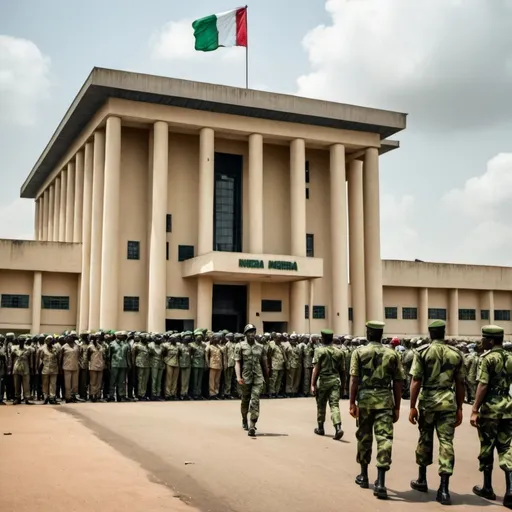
59, 284
16, 282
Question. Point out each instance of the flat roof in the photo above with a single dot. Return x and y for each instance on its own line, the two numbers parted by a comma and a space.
103, 84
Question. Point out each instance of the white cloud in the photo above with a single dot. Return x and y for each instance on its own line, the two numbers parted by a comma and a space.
447, 62
24, 79
17, 220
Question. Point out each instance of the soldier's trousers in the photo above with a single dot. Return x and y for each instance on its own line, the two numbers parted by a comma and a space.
95, 381
228, 380
19, 381
328, 393
133, 383
275, 381
495, 434
306, 380
83, 378
470, 391
292, 380
33, 385
9, 386
185, 380
380, 422
444, 424
171, 380
215, 381
106, 383
142, 381
156, 382
251, 401
49, 385
118, 380
196, 381
2, 387
70, 383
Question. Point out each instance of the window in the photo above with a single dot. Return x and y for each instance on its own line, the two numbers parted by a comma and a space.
167, 250
177, 303
319, 312
271, 306
307, 171
185, 252
49, 302
502, 315
350, 314
306, 312
410, 313
15, 301
133, 250
436, 314
131, 304
307, 192
310, 246
484, 314
391, 313
168, 223
467, 314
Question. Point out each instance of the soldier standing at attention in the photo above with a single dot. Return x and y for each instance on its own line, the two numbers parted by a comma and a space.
170, 352
251, 373
70, 363
307, 362
140, 358
294, 366
3, 368
185, 361
198, 363
83, 373
376, 379
214, 361
277, 360
329, 365
96, 357
492, 412
157, 367
21, 357
48, 358
120, 360
437, 369
229, 364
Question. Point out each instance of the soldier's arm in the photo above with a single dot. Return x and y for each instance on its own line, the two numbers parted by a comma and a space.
264, 366
238, 366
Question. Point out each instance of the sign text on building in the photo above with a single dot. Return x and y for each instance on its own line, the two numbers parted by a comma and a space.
272, 264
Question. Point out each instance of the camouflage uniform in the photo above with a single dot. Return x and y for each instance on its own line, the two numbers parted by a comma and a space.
407, 359
198, 363
142, 362
277, 358
293, 367
229, 366
157, 367
308, 352
21, 357
119, 363
172, 368
185, 361
471, 363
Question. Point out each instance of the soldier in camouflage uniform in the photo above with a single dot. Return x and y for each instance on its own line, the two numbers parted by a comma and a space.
471, 361
437, 369
492, 412
198, 364
83, 372
308, 352
407, 359
48, 359
21, 358
120, 362
251, 373
140, 359
157, 367
185, 362
376, 383
293, 366
325, 383
171, 353
3, 368
277, 359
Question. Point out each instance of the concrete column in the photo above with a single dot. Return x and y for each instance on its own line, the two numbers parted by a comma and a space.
109, 296
423, 310
298, 301
56, 210
254, 294
356, 246
36, 303
40, 211
206, 190
339, 241
70, 203
157, 262
98, 178
46, 204
487, 302
372, 261
78, 198
298, 197
36, 219
51, 211
62, 209
85, 281
256, 194
453, 314
204, 302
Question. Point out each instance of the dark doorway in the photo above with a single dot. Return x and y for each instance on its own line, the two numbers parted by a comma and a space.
275, 326
227, 209
229, 307
179, 325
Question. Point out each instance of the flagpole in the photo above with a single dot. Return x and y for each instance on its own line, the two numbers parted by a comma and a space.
247, 49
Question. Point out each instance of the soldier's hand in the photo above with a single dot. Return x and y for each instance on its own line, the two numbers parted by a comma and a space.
241, 382
474, 419
313, 390
354, 411
458, 419
413, 415
396, 415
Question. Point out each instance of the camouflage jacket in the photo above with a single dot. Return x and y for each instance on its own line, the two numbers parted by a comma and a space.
171, 354
119, 354
21, 360
495, 370
141, 353
294, 356
229, 354
277, 356
307, 355
49, 357
185, 355
377, 368
198, 358
332, 365
251, 360
471, 364
3, 362
155, 356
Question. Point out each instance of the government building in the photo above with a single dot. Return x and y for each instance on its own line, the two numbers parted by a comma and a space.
166, 204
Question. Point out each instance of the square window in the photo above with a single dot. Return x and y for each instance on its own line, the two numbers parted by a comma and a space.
131, 304
49, 302
310, 246
410, 313
350, 314
133, 252
185, 252
307, 192
271, 306
467, 314
436, 313
484, 314
15, 301
391, 313
177, 303
168, 223
502, 315
319, 312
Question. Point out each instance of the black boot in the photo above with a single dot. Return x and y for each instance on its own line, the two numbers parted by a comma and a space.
443, 493
380, 485
362, 478
252, 429
507, 499
319, 431
245, 425
486, 491
338, 434
421, 483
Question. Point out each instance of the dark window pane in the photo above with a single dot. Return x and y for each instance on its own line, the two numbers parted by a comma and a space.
437, 313
131, 304
166, 250
409, 313
177, 303
271, 306
306, 312
15, 301
502, 315
185, 252
307, 171
310, 246
319, 312
350, 314
307, 192
168, 223
133, 250
49, 302
391, 313
484, 314
467, 314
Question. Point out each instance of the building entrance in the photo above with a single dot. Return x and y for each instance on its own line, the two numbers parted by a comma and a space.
179, 325
275, 326
229, 308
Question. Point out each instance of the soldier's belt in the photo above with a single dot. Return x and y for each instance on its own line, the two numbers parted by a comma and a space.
498, 392
438, 388
375, 388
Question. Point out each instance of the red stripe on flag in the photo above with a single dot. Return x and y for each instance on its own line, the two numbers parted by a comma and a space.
241, 27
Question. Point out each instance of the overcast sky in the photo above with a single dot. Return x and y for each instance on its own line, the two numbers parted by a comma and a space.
446, 195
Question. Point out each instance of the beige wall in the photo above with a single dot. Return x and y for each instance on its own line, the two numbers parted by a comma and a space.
58, 284
16, 282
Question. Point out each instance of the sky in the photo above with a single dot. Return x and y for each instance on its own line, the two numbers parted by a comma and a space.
446, 194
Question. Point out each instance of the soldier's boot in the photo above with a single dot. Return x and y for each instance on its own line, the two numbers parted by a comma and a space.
380, 490
443, 493
486, 491
507, 499
46, 401
17, 401
319, 431
252, 429
245, 424
421, 483
362, 478
338, 432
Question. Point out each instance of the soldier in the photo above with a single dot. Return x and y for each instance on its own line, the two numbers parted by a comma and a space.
185, 362
437, 368
120, 362
140, 359
96, 358
21, 357
329, 365
277, 359
407, 359
170, 353
229, 364
70, 360
133, 383
239, 337
293, 365
83, 372
9, 380
214, 361
3, 368
48, 361
492, 412
471, 361
198, 363
251, 372
157, 367
30, 344
376, 379
308, 351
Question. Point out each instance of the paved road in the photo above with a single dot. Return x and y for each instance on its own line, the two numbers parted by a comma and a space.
200, 452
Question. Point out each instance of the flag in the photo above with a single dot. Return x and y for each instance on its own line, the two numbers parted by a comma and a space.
221, 30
